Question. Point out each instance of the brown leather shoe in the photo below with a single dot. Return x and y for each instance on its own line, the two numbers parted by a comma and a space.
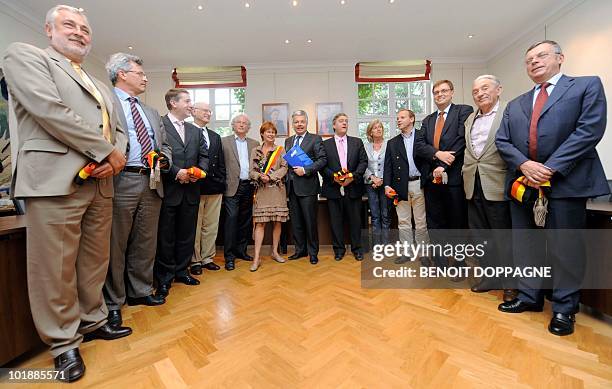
510, 294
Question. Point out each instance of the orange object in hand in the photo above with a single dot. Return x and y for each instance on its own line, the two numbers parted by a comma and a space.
393, 195
196, 172
84, 173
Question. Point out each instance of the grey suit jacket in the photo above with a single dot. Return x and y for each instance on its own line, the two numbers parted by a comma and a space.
158, 129
491, 167
59, 123
232, 162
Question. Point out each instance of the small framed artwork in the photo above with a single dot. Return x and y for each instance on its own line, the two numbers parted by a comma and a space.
325, 115
277, 113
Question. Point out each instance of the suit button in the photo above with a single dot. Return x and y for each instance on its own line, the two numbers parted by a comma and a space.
98, 106
399, 167
101, 125
397, 157
398, 178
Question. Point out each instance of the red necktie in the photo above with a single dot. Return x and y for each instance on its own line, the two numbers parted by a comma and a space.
535, 116
438, 131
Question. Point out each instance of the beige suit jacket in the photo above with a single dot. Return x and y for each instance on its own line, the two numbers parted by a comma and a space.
59, 123
232, 162
491, 168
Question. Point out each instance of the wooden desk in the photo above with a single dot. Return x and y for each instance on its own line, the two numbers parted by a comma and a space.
17, 331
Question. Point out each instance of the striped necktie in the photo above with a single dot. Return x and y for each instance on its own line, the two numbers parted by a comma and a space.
141, 131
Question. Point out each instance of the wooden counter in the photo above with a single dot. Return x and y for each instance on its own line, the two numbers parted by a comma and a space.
17, 332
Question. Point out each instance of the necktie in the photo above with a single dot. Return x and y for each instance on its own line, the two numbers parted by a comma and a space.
535, 116
204, 137
181, 129
98, 96
342, 153
438, 131
141, 130
298, 140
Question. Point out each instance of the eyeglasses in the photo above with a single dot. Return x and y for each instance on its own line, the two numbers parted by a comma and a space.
441, 92
140, 74
539, 57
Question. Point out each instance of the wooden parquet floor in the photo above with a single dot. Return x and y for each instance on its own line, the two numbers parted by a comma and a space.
297, 325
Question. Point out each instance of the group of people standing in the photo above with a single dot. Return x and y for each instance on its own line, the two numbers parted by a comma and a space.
147, 213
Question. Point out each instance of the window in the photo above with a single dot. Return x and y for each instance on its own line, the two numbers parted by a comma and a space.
382, 100
224, 102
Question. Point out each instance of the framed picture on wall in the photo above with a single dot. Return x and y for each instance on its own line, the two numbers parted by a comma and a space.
277, 113
325, 115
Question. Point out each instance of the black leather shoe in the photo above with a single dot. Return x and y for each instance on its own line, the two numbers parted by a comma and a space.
401, 260
107, 332
187, 280
211, 266
338, 257
114, 317
229, 264
245, 257
196, 269
358, 256
314, 259
296, 255
562, 324
70, 365
150, 300
163, 290
517, 306
483, 287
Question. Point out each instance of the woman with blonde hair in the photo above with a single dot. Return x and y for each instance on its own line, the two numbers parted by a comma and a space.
373, 177
267, 172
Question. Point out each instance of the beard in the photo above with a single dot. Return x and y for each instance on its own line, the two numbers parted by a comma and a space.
69, 48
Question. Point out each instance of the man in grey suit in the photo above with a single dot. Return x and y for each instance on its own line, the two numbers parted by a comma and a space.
303, 188
484, 174
66, 120
137, 199
179, 211
238, 196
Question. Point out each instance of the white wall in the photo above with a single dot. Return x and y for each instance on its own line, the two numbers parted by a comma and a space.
584, 32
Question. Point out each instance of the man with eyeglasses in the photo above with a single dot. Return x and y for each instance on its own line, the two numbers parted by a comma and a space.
136, 204
211, 194
548, 135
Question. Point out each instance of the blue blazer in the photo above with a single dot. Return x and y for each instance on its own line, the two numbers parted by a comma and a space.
571, 124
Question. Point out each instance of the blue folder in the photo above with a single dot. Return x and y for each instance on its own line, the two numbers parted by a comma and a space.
296, 157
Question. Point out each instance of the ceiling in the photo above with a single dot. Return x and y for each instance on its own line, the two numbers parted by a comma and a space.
174, 33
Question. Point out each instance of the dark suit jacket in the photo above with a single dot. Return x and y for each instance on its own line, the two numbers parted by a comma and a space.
356, 161
214, 183
571, 124
452, 139
397, 167
184, 155
308, 184
157, 126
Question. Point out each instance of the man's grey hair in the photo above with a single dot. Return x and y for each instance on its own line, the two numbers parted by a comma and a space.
52, 14
488, 77
238, 115
554, 44
120, 61
299, 112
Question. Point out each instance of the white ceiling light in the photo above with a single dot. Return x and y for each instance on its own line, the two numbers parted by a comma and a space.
342, 2
309, 41
391, 1
131, 47
200, 7
294, 3
287, 41
470, 36
247, 5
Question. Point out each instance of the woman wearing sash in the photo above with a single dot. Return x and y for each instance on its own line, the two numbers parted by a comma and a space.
267, 172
